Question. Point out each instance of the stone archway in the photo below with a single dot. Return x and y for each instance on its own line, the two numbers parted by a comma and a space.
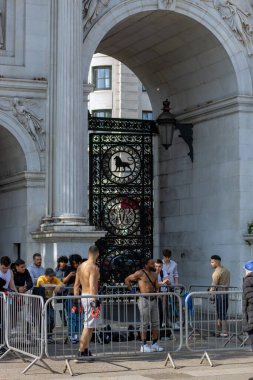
27, 145
192, 56
20, 180
209, 19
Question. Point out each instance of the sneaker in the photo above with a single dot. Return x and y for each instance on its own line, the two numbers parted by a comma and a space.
176, 326
76, 337
84, 356
224, 335
72, 340
50, 340
155, 347
146, 348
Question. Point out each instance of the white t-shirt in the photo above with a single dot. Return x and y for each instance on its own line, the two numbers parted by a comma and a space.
7, 277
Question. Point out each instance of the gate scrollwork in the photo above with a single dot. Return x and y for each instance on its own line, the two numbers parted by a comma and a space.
121, 195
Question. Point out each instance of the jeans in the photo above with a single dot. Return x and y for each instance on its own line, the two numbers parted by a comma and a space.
75, 320
50, 319
222, 306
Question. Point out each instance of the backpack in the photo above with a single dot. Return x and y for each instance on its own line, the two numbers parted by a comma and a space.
39, 291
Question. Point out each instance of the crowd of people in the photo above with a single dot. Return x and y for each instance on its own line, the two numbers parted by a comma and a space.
45, 282
64, 280
74, 276
19, 278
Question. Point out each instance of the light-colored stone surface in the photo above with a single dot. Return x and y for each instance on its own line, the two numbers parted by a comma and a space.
234, 367
186, 52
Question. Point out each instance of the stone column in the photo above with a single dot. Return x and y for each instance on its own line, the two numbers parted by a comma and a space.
70, 181
64, 229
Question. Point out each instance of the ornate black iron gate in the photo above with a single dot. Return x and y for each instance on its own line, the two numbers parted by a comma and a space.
121, 200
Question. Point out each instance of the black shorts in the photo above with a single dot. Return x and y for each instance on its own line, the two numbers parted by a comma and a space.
222, 306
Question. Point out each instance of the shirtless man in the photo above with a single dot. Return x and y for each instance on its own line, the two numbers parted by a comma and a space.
148, 283
87, 277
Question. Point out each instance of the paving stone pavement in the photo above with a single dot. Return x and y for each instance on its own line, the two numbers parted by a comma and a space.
232, 366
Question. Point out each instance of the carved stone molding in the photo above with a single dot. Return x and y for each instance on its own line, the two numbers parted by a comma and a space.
237, 14
166, 4
20, 108
21, 180
91, 10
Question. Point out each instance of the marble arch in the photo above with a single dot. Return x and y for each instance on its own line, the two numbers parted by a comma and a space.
197, 11
27, 145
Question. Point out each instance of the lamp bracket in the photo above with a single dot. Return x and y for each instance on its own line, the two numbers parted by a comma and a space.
186, 132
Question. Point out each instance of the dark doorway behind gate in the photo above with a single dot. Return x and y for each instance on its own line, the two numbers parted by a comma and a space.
121, 194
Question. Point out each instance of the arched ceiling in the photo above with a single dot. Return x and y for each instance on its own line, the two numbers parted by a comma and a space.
12, 158
175, 54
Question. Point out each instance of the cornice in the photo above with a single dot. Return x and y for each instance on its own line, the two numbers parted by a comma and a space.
220, 108
86, 234
23, 87
22, 180
15, 87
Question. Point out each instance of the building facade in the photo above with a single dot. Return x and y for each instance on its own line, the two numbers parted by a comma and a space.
117, 91
197, 53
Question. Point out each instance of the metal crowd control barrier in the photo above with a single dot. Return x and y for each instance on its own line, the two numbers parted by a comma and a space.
201, 288
169, 306
116, 289
119, 329
2, 323
122, 289
24, 333
213, 322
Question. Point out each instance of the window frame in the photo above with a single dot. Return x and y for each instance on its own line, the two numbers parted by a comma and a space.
95, 77
93, 112
147, 112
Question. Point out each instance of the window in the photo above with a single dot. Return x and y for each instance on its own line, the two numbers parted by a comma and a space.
102, 113
147, 115
102, 77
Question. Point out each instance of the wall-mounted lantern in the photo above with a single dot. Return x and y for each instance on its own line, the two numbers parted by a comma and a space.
167, 124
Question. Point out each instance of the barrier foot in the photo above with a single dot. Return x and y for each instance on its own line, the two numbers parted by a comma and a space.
169, 359
34, 362
68, 367
237, 336
5, 353
207, 357
229, 339
242, 344
10, 351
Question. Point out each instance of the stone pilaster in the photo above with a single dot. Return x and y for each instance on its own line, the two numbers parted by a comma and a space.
70, 182
64, 228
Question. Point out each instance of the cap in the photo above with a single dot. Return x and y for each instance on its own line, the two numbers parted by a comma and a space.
49, 272
249, 265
